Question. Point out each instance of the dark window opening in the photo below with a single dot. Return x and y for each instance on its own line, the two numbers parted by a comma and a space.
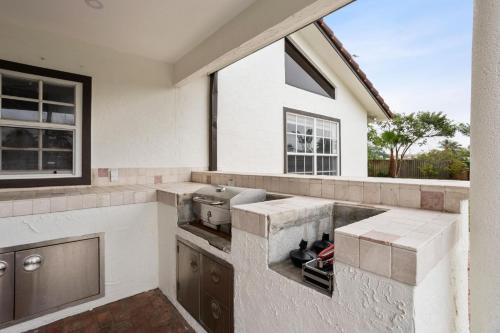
300, 73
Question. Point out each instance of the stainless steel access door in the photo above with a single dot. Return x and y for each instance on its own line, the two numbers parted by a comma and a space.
6, 287
53, 276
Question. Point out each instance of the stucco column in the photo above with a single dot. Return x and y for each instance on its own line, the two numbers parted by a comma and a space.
485, 168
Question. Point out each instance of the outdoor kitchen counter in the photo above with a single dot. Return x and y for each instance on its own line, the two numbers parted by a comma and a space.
401, 243
22, 202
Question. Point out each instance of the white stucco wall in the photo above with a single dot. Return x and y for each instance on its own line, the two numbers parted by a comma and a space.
130, 249
252, 94
139, 119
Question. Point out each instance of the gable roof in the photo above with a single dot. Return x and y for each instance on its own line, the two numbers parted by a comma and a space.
349, 60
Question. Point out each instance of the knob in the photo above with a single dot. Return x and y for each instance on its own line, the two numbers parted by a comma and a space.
216, 311
215, 276
32, 263
194, 265
3, 267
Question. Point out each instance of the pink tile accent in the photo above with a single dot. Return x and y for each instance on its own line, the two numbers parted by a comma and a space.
432, 200
158, 180
379, 237
102, 172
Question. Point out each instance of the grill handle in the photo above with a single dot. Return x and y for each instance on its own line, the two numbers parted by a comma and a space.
207, 202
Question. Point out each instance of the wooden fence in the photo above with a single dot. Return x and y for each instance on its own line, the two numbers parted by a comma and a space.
409, 169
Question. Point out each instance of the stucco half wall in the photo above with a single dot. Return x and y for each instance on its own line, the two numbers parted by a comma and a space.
251, 96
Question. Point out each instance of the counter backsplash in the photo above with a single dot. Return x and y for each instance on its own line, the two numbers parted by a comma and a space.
142, 176
437, 195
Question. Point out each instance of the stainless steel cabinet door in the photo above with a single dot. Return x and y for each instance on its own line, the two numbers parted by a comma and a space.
52, 276
188, 279
6, 287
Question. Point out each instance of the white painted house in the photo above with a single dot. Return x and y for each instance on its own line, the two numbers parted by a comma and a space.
310, 82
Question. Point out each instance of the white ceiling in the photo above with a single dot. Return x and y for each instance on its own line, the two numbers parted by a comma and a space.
158, 29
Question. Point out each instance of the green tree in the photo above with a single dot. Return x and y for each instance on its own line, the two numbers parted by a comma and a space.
455, 158
404, 131
451, 145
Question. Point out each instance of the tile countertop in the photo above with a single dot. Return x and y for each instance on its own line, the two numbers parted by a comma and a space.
403, 244
21, 202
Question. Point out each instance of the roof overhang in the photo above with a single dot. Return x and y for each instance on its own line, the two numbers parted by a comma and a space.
321, 40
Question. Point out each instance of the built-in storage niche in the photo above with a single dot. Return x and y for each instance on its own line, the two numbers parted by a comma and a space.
39, 278
205, 287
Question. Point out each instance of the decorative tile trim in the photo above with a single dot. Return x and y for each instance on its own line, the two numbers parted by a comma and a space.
142, 176
438, 195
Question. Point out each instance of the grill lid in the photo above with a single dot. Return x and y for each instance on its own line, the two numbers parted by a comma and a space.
228, 196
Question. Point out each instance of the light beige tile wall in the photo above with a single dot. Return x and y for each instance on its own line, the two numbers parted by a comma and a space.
141, 176
425, 194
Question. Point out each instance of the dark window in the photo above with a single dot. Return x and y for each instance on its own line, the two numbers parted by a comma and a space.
300, 73
44, 127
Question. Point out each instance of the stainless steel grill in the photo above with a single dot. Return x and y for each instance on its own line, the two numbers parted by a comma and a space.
212, 204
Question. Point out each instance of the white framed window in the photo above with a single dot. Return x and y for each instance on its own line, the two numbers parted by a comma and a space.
40, 126
311, 144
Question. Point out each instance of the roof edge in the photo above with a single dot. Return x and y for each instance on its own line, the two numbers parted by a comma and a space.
349, 60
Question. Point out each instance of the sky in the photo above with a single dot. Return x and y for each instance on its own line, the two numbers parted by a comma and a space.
417, 53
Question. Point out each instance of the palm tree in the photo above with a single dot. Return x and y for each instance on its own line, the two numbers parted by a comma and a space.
449, 145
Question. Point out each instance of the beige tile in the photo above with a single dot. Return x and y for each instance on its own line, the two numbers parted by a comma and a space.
259, 182
22, 207
151, 196
275, 184
347, 249
41, 206
128, 197
375, 257
371, 193
58, 204
315, 188
452, 200
389, 194
74, 202
116, 198
139, 197
103, 200
284, 185
409, 196
328, 189
404, 266
341, 190
5, 208
89, 201
432, 200
355, 192
412, 241
167, 198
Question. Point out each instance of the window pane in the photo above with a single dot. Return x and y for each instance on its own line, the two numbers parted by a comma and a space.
19, 110
301, 140
333, 165
291, 145
15, 137
300, 164
319, 164
326, 163
57, 139
57, 160
319, 145
327, 143
291, 164
319, 127
58, 114
334, 130
19, 160
291, 123
327, 131
301, 122
309, 126
309, 144
18, 87
309, 164
334, 146
58, 93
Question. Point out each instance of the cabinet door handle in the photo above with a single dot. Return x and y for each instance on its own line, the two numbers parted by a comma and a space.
215, 276
3, 267
32, 262
194, 265
216, 311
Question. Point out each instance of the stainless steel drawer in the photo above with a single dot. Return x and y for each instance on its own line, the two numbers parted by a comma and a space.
53, 276
217, 281
214, 316
6, 287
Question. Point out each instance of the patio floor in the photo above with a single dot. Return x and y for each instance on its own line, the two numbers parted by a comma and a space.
146, 312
